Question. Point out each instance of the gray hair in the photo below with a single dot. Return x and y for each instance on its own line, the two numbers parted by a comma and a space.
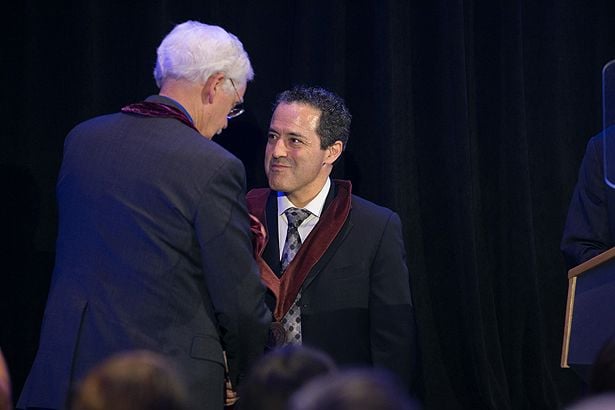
194, 51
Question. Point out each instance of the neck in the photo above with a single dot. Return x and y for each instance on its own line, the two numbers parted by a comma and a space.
188, 94
303, 197
298, 201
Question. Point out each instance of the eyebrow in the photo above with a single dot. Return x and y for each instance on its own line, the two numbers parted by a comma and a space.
290, 134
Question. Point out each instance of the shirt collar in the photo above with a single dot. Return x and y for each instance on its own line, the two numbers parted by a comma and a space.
315, 206
163, 99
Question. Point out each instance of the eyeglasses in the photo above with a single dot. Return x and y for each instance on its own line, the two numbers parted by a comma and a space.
238, 109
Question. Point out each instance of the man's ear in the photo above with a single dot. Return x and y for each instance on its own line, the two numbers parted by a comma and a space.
333, 152
212, 86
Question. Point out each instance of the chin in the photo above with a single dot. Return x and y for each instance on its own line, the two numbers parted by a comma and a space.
275, 185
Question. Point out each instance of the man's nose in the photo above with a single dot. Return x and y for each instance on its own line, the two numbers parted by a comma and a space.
279, 148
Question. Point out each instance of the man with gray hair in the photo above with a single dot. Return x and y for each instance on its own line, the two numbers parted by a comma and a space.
153, 248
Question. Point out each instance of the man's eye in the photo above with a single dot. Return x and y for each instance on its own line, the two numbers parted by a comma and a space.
271, 136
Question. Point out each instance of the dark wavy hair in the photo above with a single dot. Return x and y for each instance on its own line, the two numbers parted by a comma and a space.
335, 118
280, 373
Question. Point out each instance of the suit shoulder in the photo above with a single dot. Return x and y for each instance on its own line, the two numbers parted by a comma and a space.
596, 140
167, 140
365, 207
95, 122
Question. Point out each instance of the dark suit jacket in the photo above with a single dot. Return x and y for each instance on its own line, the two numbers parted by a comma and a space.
356, 302
590, 225
153, 252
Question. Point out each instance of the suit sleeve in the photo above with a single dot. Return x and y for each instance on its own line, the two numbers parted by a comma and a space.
586, 233
392, 322
231, 274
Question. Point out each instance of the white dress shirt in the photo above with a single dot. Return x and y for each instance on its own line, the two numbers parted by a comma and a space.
315, 207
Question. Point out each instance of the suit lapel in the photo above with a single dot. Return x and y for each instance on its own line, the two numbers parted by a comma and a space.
271, 253
333, 247
262, 203
315, 246
330, 252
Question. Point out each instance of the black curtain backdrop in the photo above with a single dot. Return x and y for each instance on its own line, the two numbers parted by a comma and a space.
470, 119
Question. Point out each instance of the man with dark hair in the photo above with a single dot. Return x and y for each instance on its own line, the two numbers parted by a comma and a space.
334, 263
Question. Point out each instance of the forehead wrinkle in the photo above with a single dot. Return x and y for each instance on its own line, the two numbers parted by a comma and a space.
294, 115
290, 127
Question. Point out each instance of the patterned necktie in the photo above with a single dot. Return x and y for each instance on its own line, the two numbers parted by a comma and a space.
292, 320
295, 217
